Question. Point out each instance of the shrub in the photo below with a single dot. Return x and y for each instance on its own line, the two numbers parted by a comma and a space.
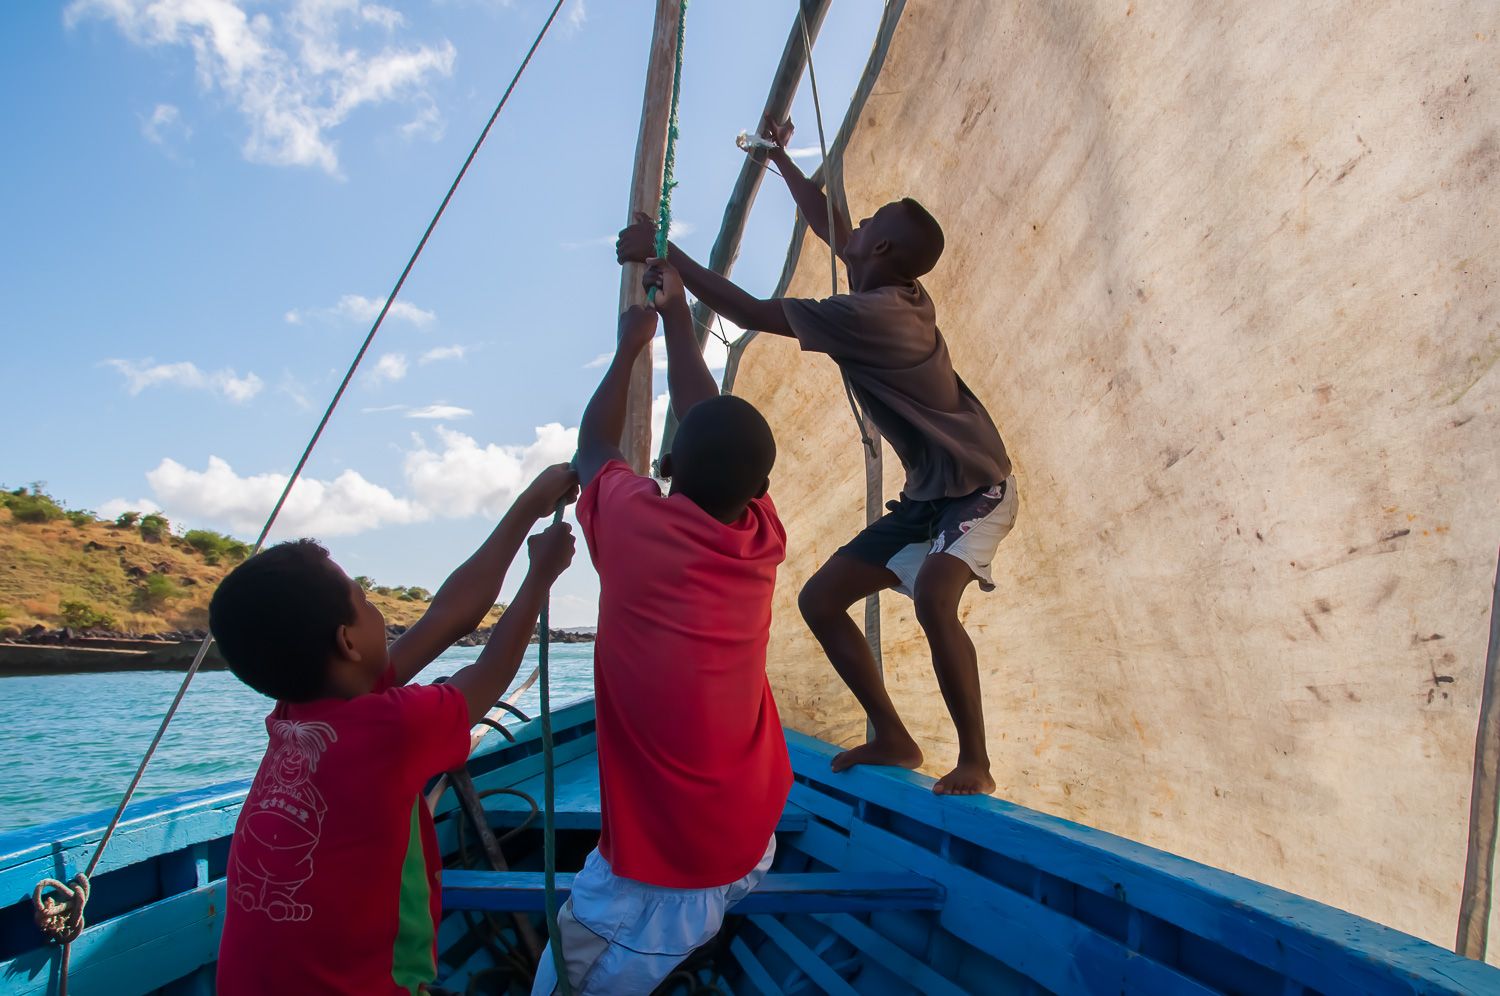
154, 526
81, 615
215, 546
156, 590
82, 517
31, 505
419, 594
364, 582
381, 589
128, 519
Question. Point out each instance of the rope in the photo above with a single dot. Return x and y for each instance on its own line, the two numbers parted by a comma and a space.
549, 782
79, 895
833, 251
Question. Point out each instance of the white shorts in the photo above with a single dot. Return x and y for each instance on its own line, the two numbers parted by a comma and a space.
969, 528
621, 937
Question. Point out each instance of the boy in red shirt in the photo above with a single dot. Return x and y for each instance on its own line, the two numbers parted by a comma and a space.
693, 767
334, 869
959, 500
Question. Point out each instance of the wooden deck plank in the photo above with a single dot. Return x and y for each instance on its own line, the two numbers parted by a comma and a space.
806, 960
139, 952
894, 959
1323, 948
814, 892
1060, 953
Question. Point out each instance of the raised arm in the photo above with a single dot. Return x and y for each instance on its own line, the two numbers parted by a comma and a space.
484, 681
604, 418
688, 379
811, 199
637, 244
469, 593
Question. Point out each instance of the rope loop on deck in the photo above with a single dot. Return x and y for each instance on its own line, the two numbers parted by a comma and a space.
57, 907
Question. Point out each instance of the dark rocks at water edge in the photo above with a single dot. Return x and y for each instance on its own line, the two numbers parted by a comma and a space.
480, 637
40, 651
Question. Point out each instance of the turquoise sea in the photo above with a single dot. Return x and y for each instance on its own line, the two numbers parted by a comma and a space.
69, 743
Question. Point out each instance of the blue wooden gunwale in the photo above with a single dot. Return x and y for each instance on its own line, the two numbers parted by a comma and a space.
1031, 902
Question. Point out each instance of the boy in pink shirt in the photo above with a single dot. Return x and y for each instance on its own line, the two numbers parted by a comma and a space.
334, 872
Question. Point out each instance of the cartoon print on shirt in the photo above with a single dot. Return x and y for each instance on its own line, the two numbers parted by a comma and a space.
284, 819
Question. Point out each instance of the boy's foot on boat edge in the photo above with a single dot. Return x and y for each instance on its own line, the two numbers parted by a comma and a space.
898, 754
966, 779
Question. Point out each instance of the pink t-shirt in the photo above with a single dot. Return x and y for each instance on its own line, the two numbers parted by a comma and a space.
334, 873
693, 767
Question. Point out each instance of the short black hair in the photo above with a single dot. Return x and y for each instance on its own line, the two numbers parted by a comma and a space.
922, 247
275, 617
722, 454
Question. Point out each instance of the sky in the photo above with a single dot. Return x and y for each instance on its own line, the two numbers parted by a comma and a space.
206, 202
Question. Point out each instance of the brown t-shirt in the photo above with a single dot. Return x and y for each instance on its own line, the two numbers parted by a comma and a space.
887, 342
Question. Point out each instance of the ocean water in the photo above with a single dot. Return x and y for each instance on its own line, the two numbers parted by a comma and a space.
70, 743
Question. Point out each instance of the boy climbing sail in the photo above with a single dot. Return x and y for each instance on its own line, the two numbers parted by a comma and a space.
959, 499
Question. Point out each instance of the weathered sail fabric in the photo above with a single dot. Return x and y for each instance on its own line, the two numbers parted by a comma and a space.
1227, 275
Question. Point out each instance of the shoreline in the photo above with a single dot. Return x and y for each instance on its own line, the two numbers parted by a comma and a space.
65, 652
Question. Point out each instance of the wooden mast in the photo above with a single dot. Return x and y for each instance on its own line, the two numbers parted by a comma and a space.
645, 195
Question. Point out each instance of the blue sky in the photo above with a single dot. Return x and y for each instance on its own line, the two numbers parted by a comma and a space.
205, 201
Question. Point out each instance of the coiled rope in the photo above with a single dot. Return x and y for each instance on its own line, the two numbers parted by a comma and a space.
58, 908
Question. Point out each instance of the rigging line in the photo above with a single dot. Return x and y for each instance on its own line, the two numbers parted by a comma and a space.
322, 424
833, 252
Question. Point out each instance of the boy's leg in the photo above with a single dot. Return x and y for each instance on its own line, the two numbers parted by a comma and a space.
825, 602
940, 585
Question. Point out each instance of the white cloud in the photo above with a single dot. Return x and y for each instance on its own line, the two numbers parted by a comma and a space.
805, 152
680, 229
141, 374
290, 73
348, 504
462, 477
389, 368
165, 126
428, 124
113, 508
443, 353
602, 360
358, 308
439, 411
578, 15
364, 309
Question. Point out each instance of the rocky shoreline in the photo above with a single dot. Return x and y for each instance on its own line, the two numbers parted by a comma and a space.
40, 651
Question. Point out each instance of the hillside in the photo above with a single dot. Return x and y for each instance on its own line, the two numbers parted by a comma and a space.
136, 575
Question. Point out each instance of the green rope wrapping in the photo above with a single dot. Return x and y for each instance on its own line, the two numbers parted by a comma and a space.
669, 163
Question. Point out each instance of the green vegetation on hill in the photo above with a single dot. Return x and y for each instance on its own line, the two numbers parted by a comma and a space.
68, 567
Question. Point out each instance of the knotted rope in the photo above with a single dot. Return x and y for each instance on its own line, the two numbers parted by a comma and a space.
57, 908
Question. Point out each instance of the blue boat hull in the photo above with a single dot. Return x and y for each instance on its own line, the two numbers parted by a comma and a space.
879, 887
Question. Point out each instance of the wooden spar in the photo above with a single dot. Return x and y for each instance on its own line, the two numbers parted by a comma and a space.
752, 171
645, 197
1484, 804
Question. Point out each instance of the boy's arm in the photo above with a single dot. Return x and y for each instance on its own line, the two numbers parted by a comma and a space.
637, 244
604, 418
484, 681
688, 379
811, 199
469, 593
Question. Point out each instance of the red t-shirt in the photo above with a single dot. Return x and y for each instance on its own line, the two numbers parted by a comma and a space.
334, 872
693, 768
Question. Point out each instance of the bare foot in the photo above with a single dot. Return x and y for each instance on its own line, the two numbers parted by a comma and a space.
969, 778
900, 753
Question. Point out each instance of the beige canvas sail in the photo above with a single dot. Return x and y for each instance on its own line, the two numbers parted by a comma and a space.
1228, 277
